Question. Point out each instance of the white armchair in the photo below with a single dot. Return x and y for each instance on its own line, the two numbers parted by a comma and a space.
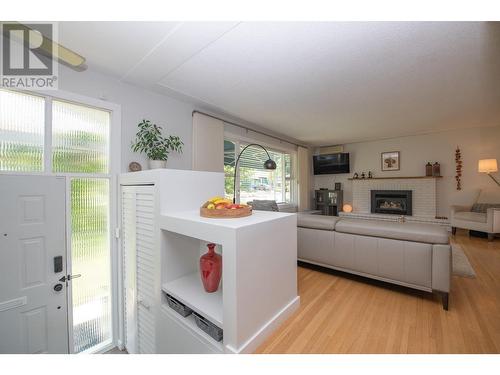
483, 216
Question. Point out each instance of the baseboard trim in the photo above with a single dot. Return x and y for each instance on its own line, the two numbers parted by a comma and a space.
253, 343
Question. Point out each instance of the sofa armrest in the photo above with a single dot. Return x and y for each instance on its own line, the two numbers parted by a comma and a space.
493, 219
441, 268
458, 208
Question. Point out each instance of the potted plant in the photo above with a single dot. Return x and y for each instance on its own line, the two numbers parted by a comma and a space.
151, 142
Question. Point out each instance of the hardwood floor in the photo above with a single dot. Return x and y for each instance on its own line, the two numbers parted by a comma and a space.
341, 313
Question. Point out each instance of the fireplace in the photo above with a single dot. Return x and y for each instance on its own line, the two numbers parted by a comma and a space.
395, 202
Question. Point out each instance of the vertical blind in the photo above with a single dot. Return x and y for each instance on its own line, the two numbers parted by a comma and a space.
208, 138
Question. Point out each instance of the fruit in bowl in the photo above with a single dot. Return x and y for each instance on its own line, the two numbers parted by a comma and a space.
217, 203
223, 207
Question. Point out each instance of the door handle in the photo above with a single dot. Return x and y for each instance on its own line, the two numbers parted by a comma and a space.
70, 277
58, 264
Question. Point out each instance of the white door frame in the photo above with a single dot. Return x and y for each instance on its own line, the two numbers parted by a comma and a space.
114, 170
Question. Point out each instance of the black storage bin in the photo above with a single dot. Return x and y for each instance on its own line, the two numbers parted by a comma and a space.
178, 306
208, 327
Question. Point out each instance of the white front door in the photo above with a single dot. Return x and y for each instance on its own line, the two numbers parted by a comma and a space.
33, 302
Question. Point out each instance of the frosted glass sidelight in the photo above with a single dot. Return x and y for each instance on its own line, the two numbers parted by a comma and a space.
22, 121
90, 251
80, 138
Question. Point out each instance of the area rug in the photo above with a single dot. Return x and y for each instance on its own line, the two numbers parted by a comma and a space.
461, 265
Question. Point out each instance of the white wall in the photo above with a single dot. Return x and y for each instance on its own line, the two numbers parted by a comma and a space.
416, 151
176, 118
136, 103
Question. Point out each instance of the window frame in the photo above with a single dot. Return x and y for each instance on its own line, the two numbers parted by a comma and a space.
64, 96
239, 141
113, 171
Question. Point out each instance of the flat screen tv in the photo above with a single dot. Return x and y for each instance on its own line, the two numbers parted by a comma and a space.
331, 164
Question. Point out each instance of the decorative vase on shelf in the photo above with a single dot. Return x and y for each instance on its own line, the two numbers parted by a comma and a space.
436, 169
155, 164
211, 269
428, 169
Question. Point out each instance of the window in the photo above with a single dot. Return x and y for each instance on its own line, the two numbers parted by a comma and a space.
254, 181
80, 138
22, 126
80, 144
80, 148
90, 257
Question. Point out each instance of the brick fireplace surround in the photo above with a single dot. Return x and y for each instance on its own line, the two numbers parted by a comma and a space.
423, 191
424, 194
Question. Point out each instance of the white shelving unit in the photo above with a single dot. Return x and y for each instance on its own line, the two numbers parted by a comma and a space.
258, 290
189, 290
144, 196
259, 272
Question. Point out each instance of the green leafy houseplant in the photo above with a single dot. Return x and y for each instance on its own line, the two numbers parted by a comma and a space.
151, 142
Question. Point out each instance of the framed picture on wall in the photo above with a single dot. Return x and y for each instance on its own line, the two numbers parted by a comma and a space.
390, 161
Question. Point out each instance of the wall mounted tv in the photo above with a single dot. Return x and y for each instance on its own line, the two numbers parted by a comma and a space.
331, 163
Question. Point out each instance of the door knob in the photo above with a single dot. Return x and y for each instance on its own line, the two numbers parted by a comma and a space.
58, 287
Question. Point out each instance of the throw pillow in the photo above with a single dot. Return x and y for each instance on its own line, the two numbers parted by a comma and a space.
264, 205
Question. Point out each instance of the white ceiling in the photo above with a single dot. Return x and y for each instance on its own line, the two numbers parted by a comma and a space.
320, 83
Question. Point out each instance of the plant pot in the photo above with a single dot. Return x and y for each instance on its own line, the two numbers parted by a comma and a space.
155, 164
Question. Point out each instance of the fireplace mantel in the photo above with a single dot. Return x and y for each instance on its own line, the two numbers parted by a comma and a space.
392, 178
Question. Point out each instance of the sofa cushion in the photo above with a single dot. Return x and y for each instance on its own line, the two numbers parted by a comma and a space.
317, 221
426, 233
476, 217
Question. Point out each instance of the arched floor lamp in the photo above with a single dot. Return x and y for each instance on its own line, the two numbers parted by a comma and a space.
268, 164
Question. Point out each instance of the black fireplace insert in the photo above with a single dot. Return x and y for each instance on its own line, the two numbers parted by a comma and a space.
395, 202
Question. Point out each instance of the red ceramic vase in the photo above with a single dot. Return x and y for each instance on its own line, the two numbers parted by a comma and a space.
211, 269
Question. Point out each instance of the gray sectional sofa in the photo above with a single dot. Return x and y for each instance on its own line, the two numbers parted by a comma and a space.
413, 255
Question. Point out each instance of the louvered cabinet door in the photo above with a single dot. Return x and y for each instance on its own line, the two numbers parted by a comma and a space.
139, 267
145, 249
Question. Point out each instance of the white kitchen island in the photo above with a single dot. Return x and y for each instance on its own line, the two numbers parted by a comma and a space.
163, 239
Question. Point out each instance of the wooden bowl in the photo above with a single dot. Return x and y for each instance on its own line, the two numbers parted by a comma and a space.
225, 213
